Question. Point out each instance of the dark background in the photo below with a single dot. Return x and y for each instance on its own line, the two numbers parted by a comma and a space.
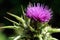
14, 6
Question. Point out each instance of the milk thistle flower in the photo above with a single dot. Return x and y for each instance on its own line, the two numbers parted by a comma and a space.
39, 12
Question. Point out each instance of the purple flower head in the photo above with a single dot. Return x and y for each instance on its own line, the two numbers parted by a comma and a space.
39, 12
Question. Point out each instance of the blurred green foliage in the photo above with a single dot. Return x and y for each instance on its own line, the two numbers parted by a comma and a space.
2, 36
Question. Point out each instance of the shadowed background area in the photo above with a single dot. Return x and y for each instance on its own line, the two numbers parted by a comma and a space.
14, 6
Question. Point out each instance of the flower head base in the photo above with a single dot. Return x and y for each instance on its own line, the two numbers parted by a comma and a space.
39, 13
